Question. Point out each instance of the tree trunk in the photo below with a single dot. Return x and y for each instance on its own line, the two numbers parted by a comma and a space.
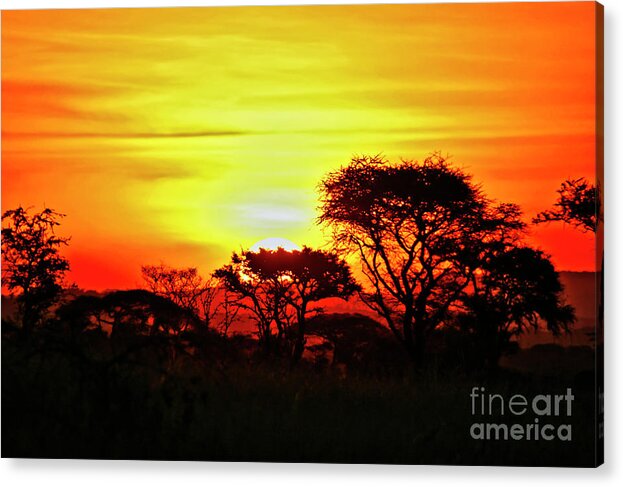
299, 344
265, 338
415, 341
28, 318
419, 348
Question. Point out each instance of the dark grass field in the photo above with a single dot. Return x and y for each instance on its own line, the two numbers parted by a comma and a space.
58, 404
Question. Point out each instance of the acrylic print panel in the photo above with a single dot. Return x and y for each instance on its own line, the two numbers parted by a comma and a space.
358, 234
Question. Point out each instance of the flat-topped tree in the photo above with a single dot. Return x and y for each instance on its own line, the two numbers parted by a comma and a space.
280, 287
419, 230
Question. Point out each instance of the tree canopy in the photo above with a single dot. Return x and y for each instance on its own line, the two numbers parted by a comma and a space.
419, 230
578, 204
516, 289
33, 268
278, 287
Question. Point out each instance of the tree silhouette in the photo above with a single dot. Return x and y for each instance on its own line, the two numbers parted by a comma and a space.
515, 290
419, 231
33, 268
184, 287
279, 287
128, 312
357, 341
578, 204
226, 310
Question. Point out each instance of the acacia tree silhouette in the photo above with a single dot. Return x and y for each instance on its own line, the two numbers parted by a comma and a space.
578, 204
279, 287
33, 268
516, 288
419, 230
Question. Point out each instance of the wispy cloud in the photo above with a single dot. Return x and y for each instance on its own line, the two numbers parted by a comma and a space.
126, 135
189, 124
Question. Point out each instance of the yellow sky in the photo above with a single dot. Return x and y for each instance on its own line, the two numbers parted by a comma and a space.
183, 134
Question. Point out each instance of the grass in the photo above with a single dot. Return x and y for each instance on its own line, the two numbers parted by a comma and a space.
59, 405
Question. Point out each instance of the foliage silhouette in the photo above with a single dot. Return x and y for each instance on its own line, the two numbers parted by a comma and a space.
581, 204
128, 312
33, 268
182, 286
578, 204
357, 342
419, 230
515, 290
278, 288
133, 374
107, 404
186, 288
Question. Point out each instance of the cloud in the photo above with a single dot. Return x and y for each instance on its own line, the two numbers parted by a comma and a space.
128, 135
29, 108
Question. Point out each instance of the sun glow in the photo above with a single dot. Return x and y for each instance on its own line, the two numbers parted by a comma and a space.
179, 134
275, 243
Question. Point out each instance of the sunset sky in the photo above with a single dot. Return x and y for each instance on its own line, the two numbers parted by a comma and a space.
179, 135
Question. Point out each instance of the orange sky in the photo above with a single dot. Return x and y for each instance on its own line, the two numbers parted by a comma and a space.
179, 135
